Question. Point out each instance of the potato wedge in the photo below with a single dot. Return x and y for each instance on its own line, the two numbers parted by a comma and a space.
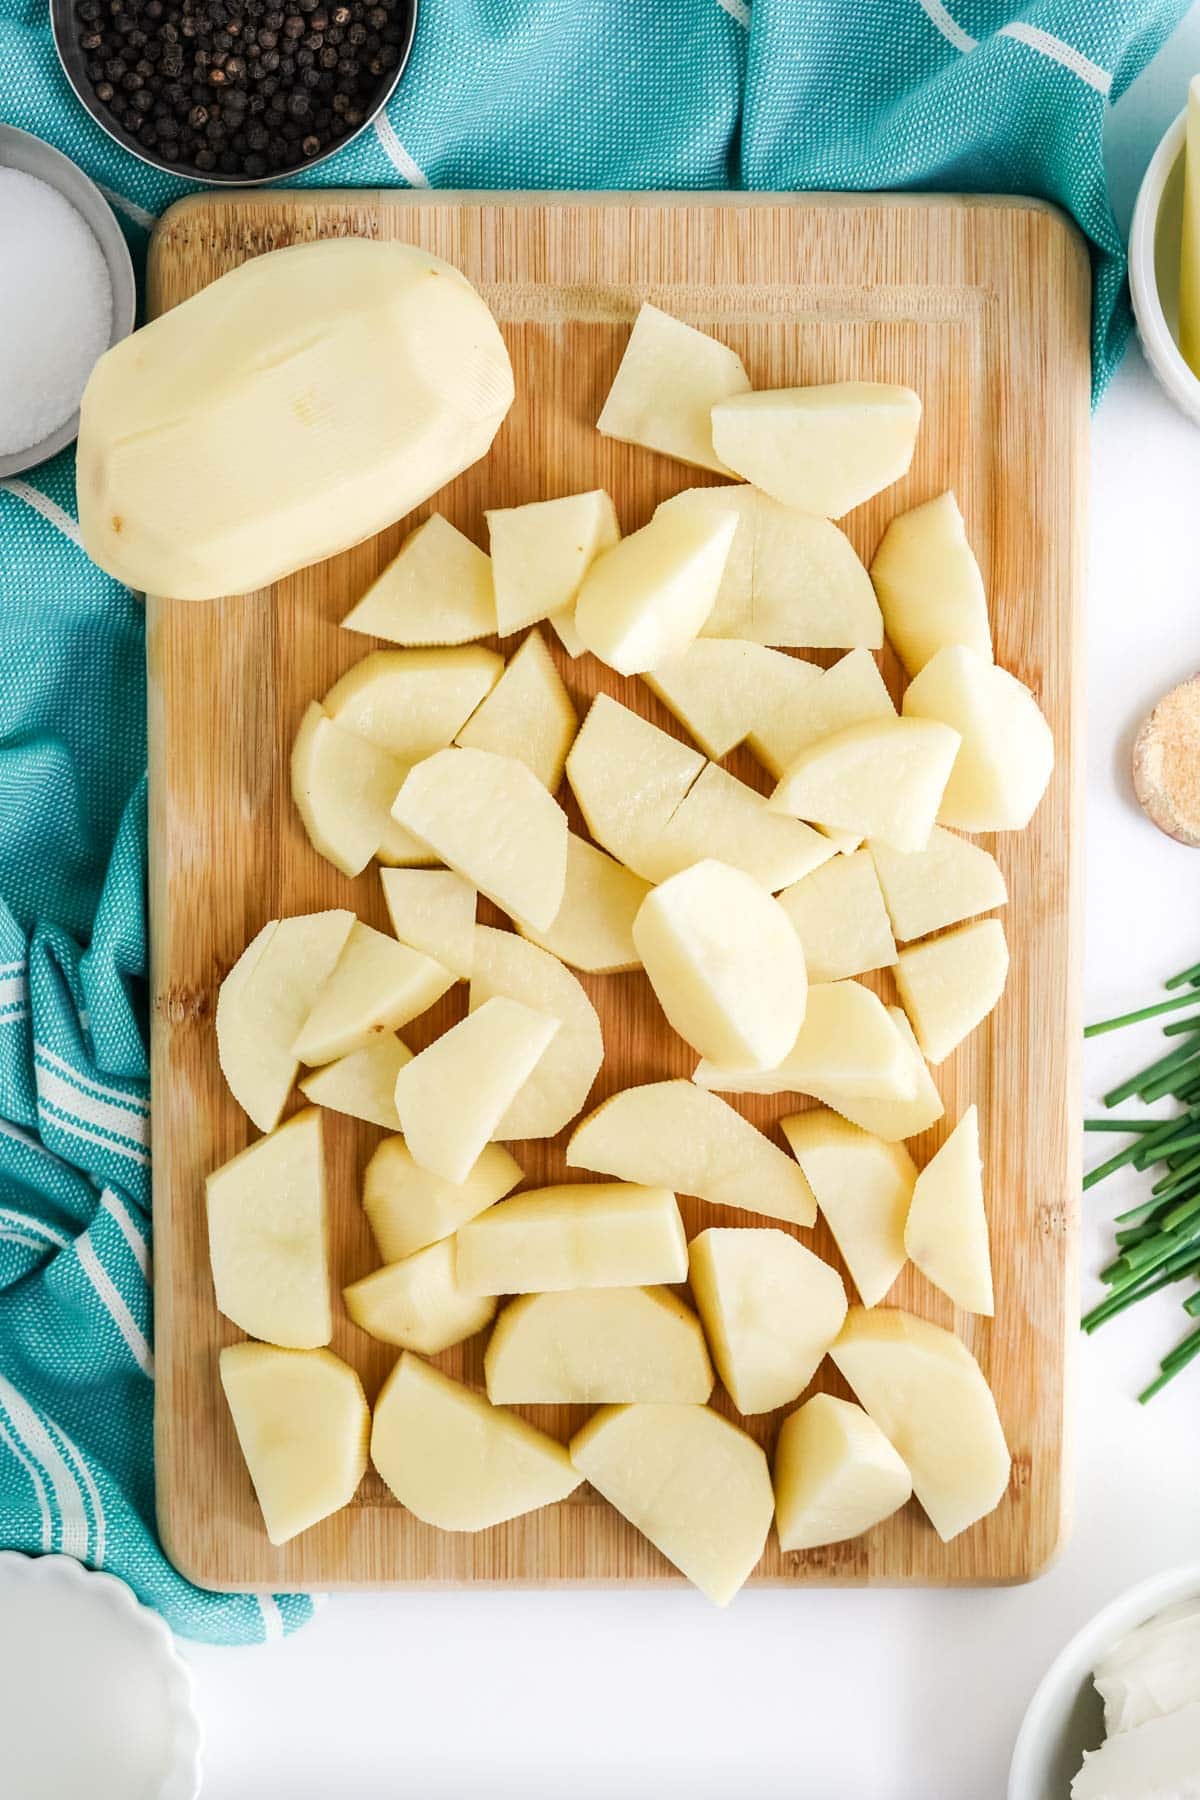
770, 1308
376, 985
558, 1085
596, 1346
343, 786
946, 1234
883, 780
835, 1475
416, 1303
848, 1045
722, 818
528, 714
541, 553
1007, 754
603, 1234
863, 1187
852, 692
665, 388
437, 590
929, 586
362, 1084
593, 928
820, 449
892, 1120
926, 890
840, 919
433, 911
720, 689
411, 702
644, 601
628, 777
408, 1207
949, 984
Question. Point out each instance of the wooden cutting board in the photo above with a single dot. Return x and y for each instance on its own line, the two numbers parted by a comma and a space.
982, 306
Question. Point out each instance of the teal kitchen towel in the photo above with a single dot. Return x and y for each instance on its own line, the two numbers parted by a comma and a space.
970, 94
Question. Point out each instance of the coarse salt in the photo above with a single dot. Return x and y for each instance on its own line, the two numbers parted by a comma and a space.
55, 309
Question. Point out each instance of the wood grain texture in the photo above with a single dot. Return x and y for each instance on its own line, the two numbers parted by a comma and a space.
982, 306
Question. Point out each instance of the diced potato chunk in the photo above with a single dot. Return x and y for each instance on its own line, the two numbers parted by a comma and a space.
528, 714
376, 985
722, 818
643, 601
438, 590
850, 693
362, 1084
560, 1082
950, 880
455, 1460
884, 779
669, 379
593, 928
541, 553
674, 1134
605, 1234
493, 822
892, 1120
1007, 753
302, 1422
835, 1474
927, 1394
417, 1303
770, 1308
592, 1346
840, 919
847, 1046
411, 702
452, 1097
732, 611
563, 624
819, 449
264, 1000
725, 965
721, 688
947, 1230
863, 1188
409, 1207
433, 911
810, 589
266, 1236
343, 786
628, 777
929, 586
695, 1485
949, 985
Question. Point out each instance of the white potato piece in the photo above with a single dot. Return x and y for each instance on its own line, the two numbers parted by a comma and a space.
541, 553
835, 1475
847, 1045
492, 821
437, 590
411, 702
929, 586
264, 1000
409, 1207
628, 777
810, 588
417, 1304
695, 1485
207, 438
863, 1187
593, 928
563, 624
892, 1120
1007, 753
597, 1346
946, 1234
362, 1084
720, 689
267, 1236
722, 818
302, 1422
733, 609
951, 879
852, 692
602, 1234
453, 1095
770, 1308
674, 1134
455, 1460
948, 985
433, 911
644, 601
840, 918
663, 393
820, 449
927, 1394
343, 786
883, 779
725, 965
376, 985
561, 1080
528, 714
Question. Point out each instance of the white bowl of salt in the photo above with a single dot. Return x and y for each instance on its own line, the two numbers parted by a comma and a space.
67, 294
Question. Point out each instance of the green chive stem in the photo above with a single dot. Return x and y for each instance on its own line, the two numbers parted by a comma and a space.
1100, 1026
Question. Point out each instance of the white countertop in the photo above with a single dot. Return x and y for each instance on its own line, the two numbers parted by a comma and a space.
884, 1695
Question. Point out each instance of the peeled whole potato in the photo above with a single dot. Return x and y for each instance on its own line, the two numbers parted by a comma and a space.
819, 449
597, 1346
645, 600
835, 1475
291, 409
1006, 756
929, 586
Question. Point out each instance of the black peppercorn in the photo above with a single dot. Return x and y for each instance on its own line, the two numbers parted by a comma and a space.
206, 160
198, 117
104, 91
310, 145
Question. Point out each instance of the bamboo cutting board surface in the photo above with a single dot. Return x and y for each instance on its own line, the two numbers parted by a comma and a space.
982, 307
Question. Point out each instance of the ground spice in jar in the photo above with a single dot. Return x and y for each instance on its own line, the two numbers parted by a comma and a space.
241, 88
56, 309
1166, 763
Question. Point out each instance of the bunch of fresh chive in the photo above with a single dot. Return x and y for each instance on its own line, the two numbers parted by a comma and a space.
1159, 1239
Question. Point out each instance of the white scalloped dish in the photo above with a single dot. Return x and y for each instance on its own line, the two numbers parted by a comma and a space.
95, 1700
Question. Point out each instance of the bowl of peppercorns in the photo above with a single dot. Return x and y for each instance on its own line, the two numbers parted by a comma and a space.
233, 92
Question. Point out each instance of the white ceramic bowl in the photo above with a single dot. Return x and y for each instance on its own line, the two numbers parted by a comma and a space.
1065, 1716
1154, 241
